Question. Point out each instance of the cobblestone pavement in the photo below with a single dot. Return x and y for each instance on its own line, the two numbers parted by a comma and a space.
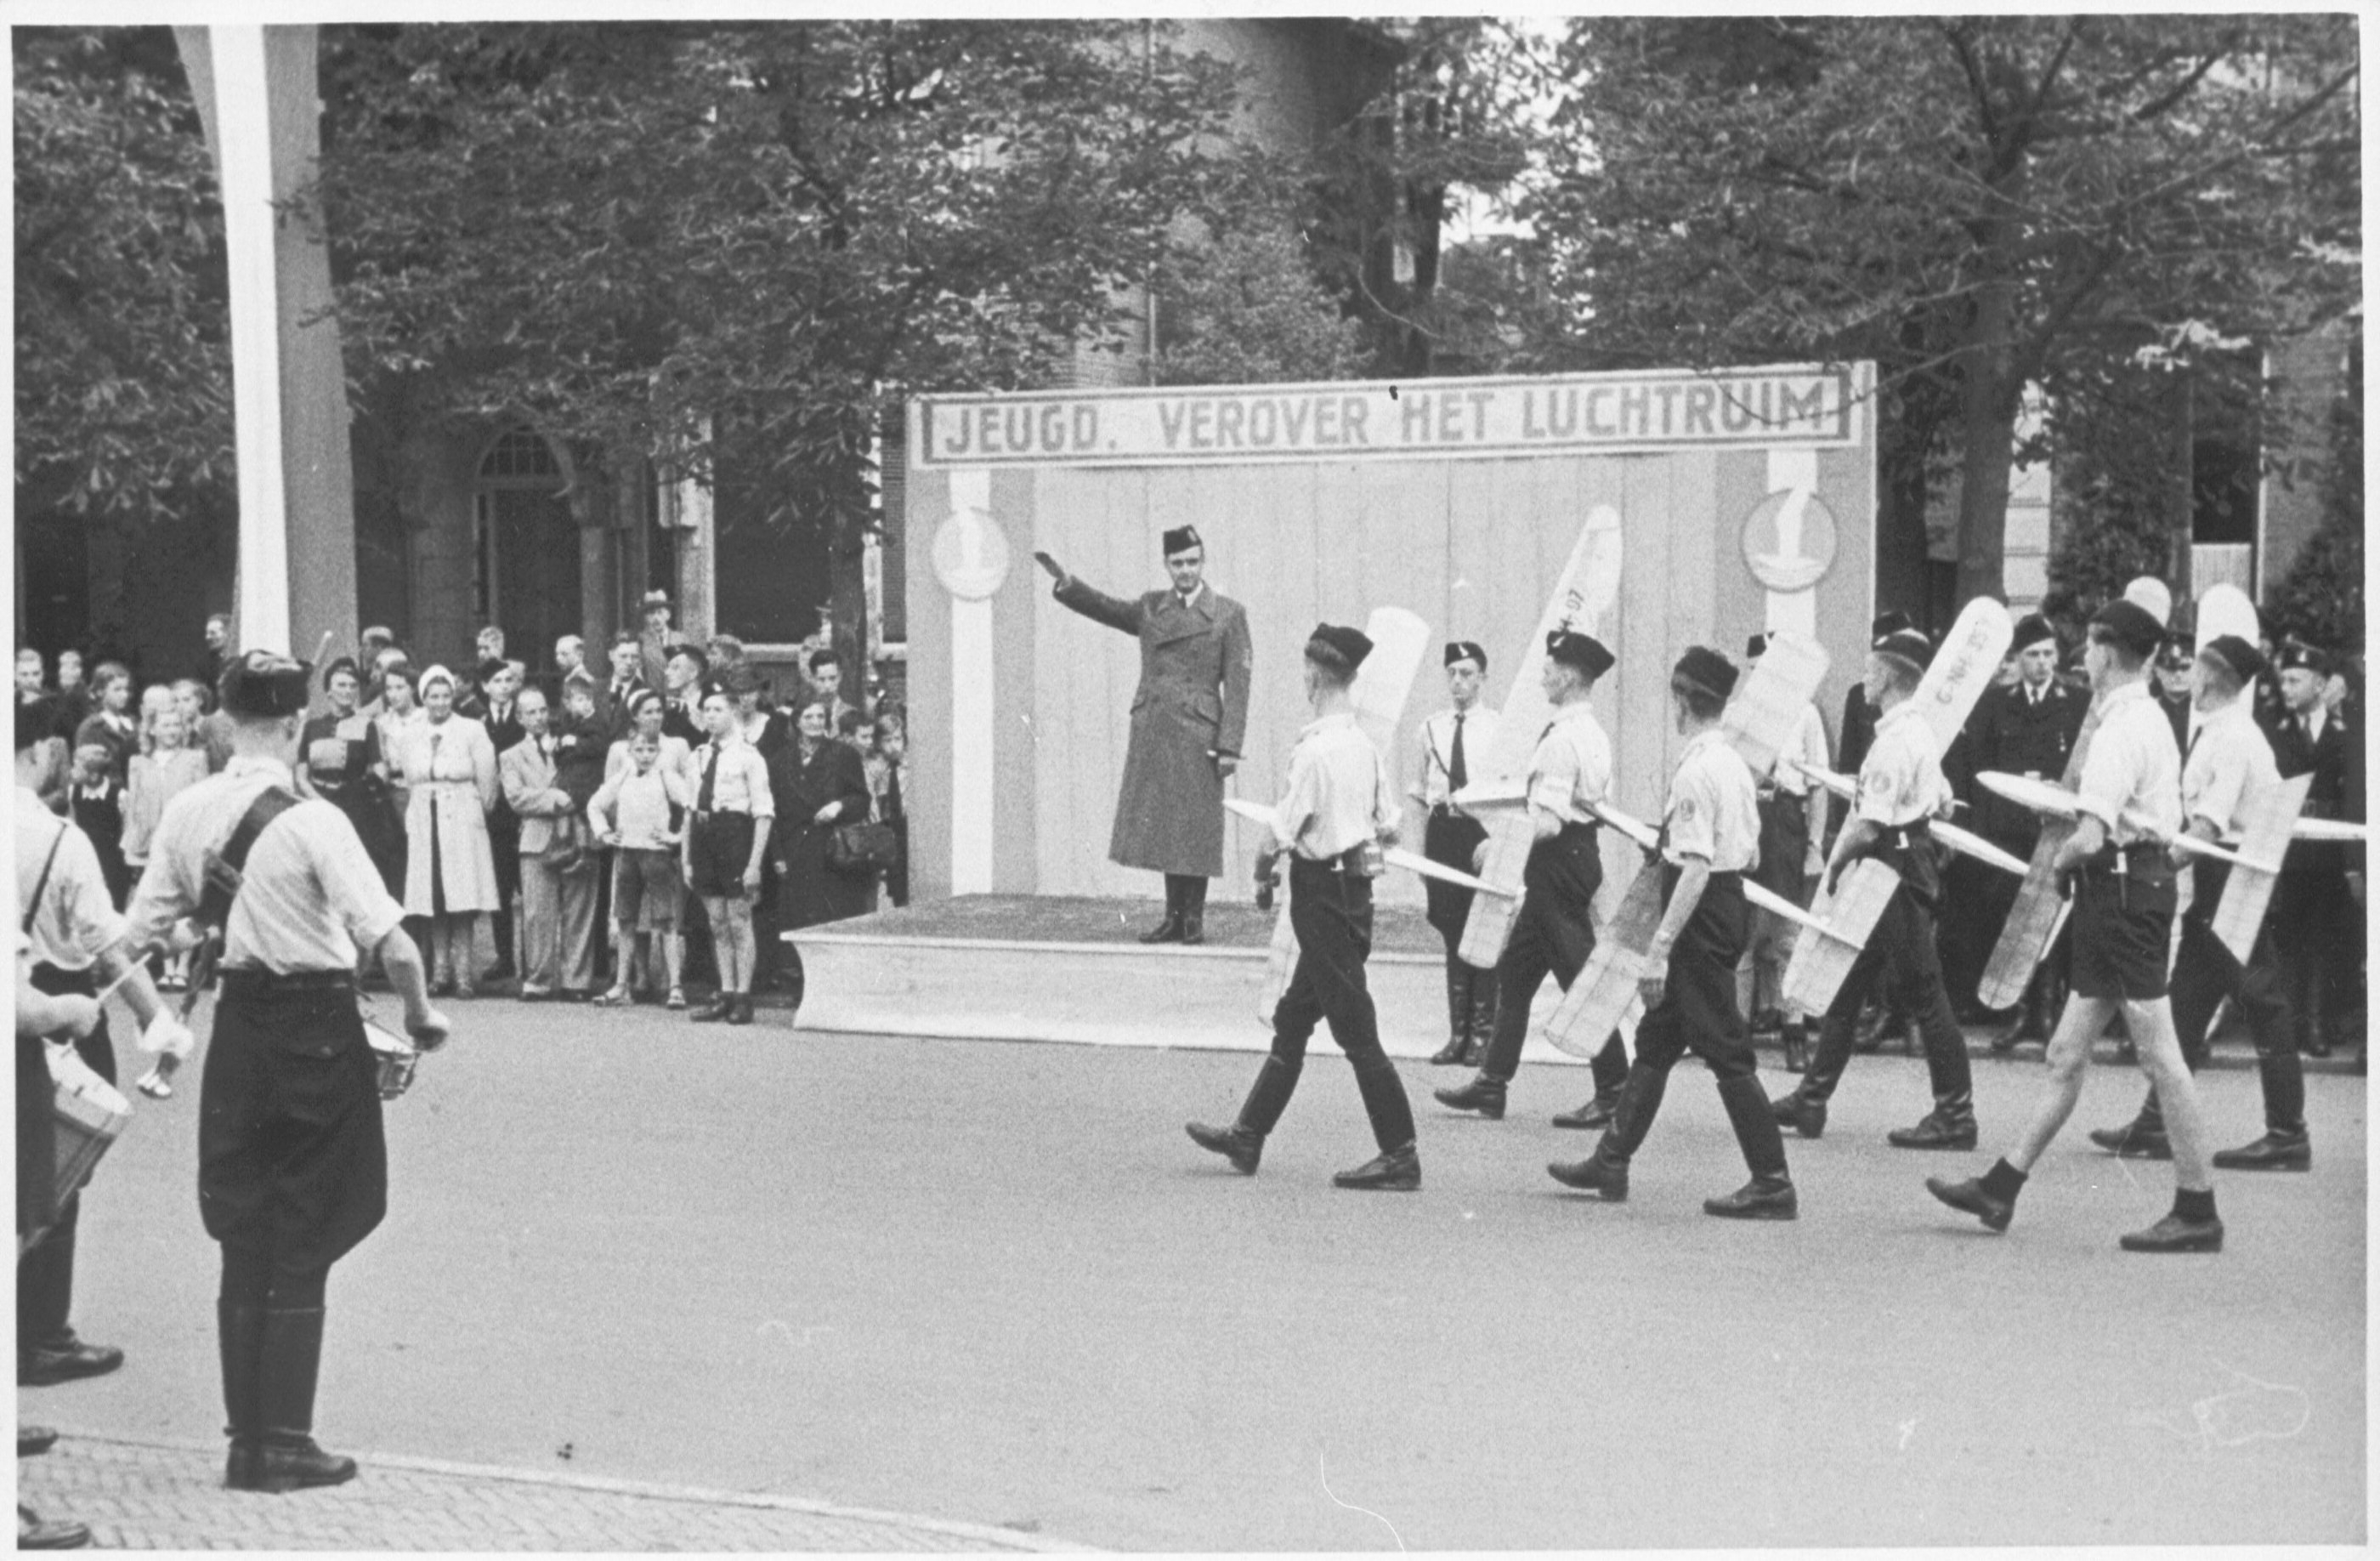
150, 1496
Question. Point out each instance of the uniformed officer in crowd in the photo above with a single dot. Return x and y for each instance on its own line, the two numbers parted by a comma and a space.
1452, 741
1793, 822
2316, 926
1568, 774
293, 1168
2122, 927
2176, 679
2228, 767
1189, 717
78, 947
2028, 728
1335, 813
1711, 839
1900, 790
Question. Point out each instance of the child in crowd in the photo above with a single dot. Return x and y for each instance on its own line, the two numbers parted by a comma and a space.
169, 765
95, 804
640, 811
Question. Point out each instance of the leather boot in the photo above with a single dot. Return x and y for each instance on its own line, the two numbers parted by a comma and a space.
1483, 1017
1482, 1095
1797, 1110
1595, 1116
1458, 1016
1754, 1122
240, 1335
2276, 1151
1236, 1144
1393, 1170
1950, 1125
1604, 1172
1194, 911
1762, 1197
290, 1364
1795, 1039
1169, 929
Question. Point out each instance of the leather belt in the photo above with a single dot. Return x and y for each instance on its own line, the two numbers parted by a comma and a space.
253, 983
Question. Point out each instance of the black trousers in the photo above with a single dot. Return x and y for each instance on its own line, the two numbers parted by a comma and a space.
1903, 962
1330, 910
1697, 1013
1553, 935
293, 1165
45, 1274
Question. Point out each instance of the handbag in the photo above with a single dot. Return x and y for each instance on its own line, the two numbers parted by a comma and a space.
857, 848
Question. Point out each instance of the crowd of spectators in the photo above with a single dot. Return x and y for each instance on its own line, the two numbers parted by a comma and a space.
570, 825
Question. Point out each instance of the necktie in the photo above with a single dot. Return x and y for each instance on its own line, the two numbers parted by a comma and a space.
1458, 774
893, 794
709, 782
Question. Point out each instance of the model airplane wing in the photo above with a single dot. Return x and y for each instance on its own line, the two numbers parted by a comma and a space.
1844, 920
1482, 796
2328, 829
2058, 802
1768, 705
1606, 987
1965, 842
1589, 581
1962, 669
2271, 813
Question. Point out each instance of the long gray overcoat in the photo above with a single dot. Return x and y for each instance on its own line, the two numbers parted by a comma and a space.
1192, 701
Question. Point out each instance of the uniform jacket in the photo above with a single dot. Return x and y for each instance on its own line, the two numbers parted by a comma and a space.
450, 771
530, 786
2011, 733
1196, 662
2336, 761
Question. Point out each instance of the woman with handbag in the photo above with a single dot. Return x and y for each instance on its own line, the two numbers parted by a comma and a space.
450, 768
339, 759
821, 792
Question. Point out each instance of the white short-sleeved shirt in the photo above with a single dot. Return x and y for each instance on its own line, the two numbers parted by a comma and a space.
2133, 766
742, 778
1900, 780
1481, 725
1808, 744
1570, 767
75, 921
308, 897
1713, 807
2229, 762
1338, 792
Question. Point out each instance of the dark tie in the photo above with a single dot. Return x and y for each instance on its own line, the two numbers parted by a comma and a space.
2193, 746
1458, 774
702, 798
892, 795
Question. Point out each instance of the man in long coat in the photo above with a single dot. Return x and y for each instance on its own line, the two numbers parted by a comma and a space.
1188, 718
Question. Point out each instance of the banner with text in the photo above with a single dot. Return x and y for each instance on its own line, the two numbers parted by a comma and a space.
1798, 406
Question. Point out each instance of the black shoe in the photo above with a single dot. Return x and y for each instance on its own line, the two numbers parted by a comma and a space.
1762, 1197
2273, 1151
1935, 1131
1595, 1116
1394, 1170
2313, 1046
1970, 1197
2175, 1234
1450, 1054
1475, 1052
48, 1365
34, 1532
1167, 931
1594, 1174
739, 1011
33, 1440
2132, 1141
1242, 1148
1194, 931
1797, 1111
1482, 1095
713, 1011
286, 1461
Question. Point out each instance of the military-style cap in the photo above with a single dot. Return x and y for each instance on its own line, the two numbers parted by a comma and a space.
2246, 662
2175, 653
654, 598
2297, 653
1182, 539
1706, 669
688, 647
1756, 646
2129, 625
1334, 643
1888, 622
339, 664
1905, 645
265, 683
2031, 629
1465, 650
1584, 652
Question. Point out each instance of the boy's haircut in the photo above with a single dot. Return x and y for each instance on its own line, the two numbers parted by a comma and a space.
1704, 704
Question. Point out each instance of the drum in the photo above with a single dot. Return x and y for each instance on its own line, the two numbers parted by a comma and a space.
396, 1055
91, 1114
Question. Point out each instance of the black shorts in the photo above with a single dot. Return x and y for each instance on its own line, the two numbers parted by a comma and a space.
720, 848
2122, 935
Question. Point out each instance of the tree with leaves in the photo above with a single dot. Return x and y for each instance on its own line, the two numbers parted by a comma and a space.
1980, 204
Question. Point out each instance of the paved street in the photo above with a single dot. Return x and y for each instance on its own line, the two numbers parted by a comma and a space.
993, 1285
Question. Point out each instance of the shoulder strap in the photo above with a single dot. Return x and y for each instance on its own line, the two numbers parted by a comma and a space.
225, 868
43, 883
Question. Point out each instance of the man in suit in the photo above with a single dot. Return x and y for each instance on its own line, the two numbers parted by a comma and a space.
2314, 919
654, 644
1189, 717
2027, 728
558, 893
626, 681
500, 689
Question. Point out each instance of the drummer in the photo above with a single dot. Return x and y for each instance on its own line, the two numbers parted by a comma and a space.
293, 1169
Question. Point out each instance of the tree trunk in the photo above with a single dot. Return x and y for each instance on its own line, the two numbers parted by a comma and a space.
1988, 442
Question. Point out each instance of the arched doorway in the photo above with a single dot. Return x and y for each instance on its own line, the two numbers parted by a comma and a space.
525, 547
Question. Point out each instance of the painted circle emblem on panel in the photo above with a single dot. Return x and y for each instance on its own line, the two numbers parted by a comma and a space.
970, 555
1789, 541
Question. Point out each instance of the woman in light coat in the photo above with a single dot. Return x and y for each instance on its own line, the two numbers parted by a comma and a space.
450, 765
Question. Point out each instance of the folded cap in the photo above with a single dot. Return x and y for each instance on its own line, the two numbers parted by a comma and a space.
1706, 669
2245, 662
2297, 653
1182, 539
1584, 652
265, 683
2129, 625
1465, 650
1906, 645
2033, 629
